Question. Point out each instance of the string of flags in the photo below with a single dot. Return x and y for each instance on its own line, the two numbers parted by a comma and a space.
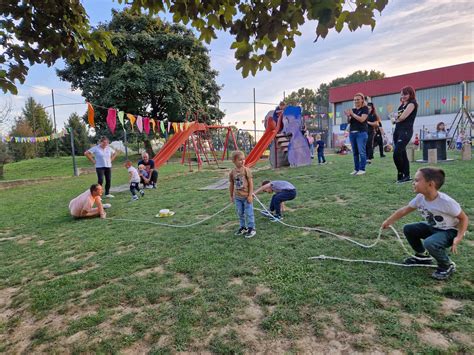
15, 139
142, 124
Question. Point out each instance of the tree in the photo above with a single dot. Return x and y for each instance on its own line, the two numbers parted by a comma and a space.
38, 119
34, 31
21, 151
4, 157
5, 114
262, 29
81, 139
161, 70
306, 98
359, 76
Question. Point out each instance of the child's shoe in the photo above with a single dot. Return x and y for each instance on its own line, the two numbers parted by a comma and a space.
250, 233
444, 273
154, 186
142, 193
135, 198
276, 218
266, 214
106, 205
419, 259
241, 231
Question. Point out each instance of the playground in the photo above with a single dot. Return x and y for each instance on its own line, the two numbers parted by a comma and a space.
137, 287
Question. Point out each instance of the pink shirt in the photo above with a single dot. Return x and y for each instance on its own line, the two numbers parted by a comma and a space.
83, 202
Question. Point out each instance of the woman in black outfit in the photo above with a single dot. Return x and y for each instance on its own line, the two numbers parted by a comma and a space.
403, 133
372, 121
378, 135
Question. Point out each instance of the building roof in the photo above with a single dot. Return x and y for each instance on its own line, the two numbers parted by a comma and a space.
420, 80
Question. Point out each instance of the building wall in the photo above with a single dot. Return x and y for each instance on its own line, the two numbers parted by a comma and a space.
430, 102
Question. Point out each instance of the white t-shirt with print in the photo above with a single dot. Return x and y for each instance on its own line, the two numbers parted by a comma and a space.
440, 213
135, 176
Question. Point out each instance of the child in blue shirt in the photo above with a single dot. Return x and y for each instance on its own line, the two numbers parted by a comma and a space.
320, 149
284, 191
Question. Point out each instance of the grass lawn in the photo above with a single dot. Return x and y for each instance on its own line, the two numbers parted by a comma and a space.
83, 286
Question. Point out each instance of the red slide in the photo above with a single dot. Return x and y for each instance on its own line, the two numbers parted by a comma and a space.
263, 143
175, 142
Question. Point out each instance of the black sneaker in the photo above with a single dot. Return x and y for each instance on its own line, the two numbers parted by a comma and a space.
444, 273
419, 259
250, 233
265, 213
142, 193
241, 231
276, 218
404, 180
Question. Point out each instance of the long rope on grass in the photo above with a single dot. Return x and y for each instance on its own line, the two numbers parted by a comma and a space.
343, 237
173, 225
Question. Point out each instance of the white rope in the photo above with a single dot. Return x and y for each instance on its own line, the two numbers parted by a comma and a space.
173, 225
343, 237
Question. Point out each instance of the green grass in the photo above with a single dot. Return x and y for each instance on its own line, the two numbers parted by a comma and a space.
106, 286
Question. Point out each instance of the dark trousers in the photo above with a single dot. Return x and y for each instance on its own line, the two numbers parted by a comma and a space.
107, 172
134, 187
378, 141
321, 158
153, 179
370, 145
401, 138
278, 198
435, 240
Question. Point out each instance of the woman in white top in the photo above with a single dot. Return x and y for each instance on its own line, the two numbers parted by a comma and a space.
102, 156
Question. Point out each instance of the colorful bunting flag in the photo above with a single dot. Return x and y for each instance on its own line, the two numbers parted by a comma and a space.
140, 123
146, 125
132, 119
90, 115
443, 101
162, 126
390, 108
169, 126
120, 117
153, 124
427, 103
331, 114
111, 119
381, 109
466, 97
175, 127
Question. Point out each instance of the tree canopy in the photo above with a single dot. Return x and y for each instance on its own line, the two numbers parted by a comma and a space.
34, 31
160, 70
305, 98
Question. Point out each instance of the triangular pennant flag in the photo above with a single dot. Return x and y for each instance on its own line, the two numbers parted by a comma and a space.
427, 103
443, 101
162, 126
381, 109
169, 126
181, 126
186, 125
389, 107
453, 99
90, 115
146, 125
153, 124
466, 97
120, 117
175, 127
244, 122
338, 114
132, 119
140, 123
331, 114
112, 119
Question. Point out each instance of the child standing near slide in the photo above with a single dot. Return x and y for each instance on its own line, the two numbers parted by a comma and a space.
241, 193
284, 191
445, 225
134, 180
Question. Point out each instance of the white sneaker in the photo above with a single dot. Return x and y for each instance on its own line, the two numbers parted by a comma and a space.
354, 172
148, 187
106, 205
360, 172
109, 196
135, 198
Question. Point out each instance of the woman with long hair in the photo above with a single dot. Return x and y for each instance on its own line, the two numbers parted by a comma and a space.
357, 119
375, 122
403, 132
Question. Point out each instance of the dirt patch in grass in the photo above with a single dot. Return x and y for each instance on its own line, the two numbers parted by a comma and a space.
80, 257
154, 270
463, 338
236, 281
450, 306
85, 269
24, 239
227, 227
124, 249
433, 338
40, 242
340, 201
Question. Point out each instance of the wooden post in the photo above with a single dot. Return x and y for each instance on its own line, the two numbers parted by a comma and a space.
466, 152
432, 156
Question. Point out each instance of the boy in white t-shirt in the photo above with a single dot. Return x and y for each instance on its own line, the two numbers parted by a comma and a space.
445, 225
134, 180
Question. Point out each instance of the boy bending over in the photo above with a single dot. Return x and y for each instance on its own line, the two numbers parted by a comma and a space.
284, 191
445, 225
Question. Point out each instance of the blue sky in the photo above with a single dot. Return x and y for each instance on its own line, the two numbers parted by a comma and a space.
409, 36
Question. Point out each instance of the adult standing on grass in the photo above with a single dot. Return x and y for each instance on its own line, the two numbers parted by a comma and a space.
149, 164
373, 124
403, 133
357, 119
102, 156
83, 205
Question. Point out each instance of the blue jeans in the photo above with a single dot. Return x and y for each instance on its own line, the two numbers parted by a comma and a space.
278, 198
435, 240
311, 150
244, 210
358, 143
321, 158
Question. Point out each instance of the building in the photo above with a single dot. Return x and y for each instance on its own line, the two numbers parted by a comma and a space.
440, 94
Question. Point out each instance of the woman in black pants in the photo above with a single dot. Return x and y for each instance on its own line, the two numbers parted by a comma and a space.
102, 156
403, 133
372, 121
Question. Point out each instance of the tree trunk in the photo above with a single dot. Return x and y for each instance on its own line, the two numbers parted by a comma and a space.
1, 171
148, 148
